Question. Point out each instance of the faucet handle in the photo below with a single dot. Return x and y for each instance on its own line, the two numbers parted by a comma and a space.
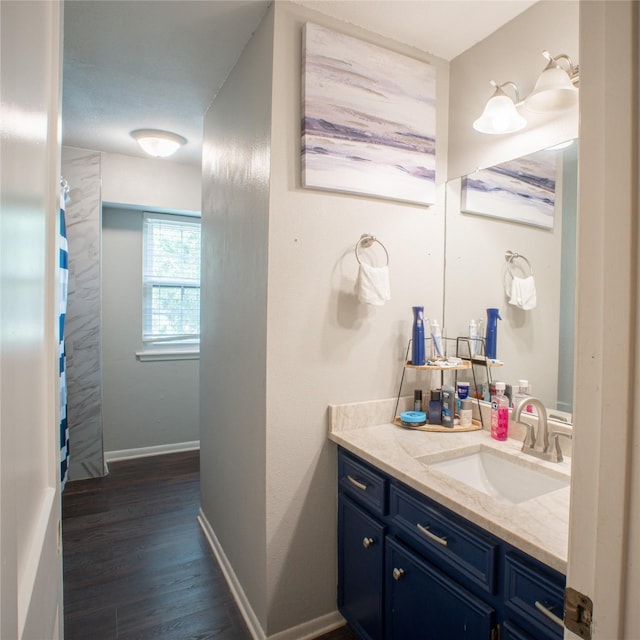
554, 436
529, 441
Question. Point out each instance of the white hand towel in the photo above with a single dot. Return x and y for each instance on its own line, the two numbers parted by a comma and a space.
372, 285
523, 293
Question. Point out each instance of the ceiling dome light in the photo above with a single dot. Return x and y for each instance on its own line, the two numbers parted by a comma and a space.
554, 89
159, 144
500, 114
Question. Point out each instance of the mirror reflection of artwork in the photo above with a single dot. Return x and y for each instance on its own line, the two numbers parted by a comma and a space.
369, 119
521, 190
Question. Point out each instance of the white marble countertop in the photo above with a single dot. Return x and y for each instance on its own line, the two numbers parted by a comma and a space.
539, 526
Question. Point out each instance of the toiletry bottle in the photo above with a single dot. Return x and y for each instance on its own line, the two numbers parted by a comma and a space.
493, 315
473, 338
522, 392
417, 343
499, 413
435, 407
448, 405
417, 399
436, 336
462, 392
466, 412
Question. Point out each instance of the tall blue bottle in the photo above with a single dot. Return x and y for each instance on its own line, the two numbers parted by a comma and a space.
417, 342
493, 315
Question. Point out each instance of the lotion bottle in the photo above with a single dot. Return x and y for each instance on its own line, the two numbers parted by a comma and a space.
499, 413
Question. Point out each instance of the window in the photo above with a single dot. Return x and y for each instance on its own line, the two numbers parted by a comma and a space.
170, 279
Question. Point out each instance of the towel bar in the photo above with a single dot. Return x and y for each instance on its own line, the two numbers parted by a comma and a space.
367, 240
510, 256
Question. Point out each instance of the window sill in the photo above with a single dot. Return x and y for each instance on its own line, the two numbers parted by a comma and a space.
155, 355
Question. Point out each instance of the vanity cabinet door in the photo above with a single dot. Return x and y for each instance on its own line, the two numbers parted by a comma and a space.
360, 569
425, 604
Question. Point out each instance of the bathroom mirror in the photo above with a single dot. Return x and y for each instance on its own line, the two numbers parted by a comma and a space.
534, 344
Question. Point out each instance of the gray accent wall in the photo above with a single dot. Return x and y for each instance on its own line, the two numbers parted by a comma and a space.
146, 404
81, 169
233, 349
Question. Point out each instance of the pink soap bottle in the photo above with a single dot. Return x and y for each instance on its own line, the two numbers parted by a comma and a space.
499, 413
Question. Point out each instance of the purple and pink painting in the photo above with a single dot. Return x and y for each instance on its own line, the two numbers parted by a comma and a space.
368, 119
521, 190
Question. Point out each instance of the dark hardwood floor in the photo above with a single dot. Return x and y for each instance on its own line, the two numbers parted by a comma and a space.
137, 565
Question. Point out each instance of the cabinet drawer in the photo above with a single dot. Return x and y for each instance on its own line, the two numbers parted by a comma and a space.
362, 483
528, 582
452, 543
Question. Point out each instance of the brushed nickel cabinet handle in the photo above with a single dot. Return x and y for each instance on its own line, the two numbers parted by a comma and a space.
367, 542
552, 616
432, 536
355, 483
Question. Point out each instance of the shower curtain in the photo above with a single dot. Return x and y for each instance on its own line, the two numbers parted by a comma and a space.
63, 274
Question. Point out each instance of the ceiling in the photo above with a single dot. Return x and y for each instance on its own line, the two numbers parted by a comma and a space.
157, 64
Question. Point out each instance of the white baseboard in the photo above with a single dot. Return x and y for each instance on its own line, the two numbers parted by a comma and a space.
305, 631
143, 452
237, 591
312, 629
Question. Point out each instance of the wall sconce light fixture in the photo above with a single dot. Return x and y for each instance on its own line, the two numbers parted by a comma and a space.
554, 88
500, 114
159, 144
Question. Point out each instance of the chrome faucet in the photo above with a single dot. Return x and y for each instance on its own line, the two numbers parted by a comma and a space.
540, 443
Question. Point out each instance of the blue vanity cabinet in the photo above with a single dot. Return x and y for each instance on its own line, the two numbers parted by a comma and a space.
411, 569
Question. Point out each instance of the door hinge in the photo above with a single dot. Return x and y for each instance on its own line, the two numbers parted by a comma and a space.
578, 613
495, 632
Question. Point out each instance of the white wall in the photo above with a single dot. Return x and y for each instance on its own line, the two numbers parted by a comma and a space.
158, 184
30, 562
145, 404
321, 346
528, 341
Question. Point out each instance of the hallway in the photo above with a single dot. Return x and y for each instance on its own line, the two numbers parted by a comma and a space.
136, 563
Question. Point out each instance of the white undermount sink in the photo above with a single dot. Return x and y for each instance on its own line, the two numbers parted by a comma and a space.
497, 474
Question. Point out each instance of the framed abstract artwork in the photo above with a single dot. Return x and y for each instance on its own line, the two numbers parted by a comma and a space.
368, 119
521, 190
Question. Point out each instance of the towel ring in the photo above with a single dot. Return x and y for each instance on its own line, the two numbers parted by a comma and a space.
510, 256
367, 240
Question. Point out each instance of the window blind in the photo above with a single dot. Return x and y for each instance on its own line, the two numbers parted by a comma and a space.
171, 278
